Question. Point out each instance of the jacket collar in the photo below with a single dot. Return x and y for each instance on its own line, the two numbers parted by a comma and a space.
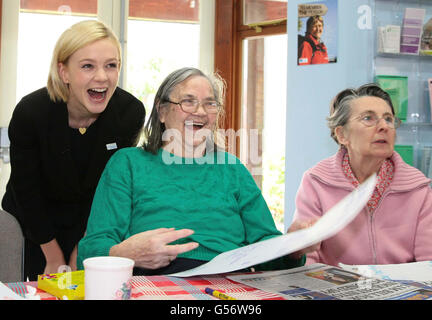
405, 176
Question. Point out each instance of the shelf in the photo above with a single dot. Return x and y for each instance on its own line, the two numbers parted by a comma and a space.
404, 55
416, 124
416, 131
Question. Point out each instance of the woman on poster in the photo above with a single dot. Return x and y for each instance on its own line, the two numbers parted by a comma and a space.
61, 137
310, 48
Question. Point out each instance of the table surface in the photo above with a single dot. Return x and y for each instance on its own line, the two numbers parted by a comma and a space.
174, 288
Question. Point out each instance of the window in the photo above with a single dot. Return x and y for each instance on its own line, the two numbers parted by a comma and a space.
253, 62
258, 12
1, 5
162, 36
37, 37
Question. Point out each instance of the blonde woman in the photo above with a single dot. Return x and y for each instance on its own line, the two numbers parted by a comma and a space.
61, 138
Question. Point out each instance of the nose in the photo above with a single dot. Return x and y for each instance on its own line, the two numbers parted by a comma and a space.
200, 110
382, 124
101, 74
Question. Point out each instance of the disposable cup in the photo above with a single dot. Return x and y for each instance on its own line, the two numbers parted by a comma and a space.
108, 278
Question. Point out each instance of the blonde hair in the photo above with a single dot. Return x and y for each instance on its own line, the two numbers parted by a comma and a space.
76, 37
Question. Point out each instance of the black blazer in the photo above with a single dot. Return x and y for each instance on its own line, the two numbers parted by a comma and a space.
44, 192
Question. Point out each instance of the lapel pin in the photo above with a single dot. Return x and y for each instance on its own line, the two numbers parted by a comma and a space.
111, 146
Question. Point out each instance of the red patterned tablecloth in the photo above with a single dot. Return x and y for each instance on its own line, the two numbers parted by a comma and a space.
192, 288
174, 288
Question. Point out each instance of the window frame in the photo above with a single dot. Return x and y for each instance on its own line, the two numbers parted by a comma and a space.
1, 6
229, 52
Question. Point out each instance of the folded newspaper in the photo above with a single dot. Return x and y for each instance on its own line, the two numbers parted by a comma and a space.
420, 271
324, 282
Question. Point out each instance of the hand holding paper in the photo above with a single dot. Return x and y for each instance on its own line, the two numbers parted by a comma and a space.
299, 225
332, 222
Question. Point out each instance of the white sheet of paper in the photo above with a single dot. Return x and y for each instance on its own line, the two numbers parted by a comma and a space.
414, 271
332, 221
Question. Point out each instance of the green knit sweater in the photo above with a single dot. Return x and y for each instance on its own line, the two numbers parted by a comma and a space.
214, 195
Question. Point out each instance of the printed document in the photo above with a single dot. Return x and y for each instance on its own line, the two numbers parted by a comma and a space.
332, 221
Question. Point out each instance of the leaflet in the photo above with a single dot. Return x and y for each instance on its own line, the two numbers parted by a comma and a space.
332, 222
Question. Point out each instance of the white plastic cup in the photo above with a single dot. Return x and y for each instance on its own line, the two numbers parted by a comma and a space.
108, 278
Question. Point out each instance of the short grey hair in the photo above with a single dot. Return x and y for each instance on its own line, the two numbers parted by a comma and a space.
340, 107
154, 128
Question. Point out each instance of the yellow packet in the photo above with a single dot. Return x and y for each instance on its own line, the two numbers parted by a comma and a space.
66, 286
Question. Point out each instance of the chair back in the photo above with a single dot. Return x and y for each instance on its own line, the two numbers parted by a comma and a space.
11, 249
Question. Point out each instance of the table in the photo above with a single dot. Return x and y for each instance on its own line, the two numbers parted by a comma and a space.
174, 288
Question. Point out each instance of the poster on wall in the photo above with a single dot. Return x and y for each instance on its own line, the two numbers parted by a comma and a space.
317, 37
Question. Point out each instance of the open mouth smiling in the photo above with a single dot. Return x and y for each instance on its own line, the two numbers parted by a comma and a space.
97, 94
194, 125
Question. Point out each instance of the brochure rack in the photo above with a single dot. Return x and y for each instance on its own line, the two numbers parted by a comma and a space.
403, 66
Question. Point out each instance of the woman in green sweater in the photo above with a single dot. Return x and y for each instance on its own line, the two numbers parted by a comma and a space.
179, 200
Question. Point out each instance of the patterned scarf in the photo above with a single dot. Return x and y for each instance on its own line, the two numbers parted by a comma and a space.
384, 178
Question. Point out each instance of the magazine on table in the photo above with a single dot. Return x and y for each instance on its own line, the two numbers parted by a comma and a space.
325, 282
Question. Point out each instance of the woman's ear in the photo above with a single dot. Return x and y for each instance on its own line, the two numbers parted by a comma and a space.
161, 113
340, 134
63, 72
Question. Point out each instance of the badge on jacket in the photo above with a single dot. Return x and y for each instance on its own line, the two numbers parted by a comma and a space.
111, 146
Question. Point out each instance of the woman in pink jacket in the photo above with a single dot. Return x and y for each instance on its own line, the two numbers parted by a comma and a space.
396, 224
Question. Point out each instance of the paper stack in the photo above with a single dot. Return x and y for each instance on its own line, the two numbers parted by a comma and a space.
389, 39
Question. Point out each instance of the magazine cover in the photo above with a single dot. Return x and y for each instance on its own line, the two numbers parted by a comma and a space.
317, 37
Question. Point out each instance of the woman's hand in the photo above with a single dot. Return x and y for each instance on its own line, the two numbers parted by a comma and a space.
298, 225
53, 256
73, 259
151, 249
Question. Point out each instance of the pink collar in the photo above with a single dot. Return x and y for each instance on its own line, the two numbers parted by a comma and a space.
384, 178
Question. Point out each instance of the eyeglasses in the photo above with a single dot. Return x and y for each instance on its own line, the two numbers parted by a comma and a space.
191, 105
371, 119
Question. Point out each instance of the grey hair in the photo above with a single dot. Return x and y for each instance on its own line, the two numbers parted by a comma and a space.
340, 107
154, 128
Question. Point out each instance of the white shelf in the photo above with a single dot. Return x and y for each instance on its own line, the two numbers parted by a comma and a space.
404, 55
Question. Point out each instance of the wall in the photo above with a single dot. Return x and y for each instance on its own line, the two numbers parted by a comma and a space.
311, 88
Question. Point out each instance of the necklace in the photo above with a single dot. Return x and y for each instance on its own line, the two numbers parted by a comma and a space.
82, 130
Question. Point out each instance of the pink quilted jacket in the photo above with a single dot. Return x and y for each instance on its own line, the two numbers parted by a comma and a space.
399, 231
